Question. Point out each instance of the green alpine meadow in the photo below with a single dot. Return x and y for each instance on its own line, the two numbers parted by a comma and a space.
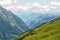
46, 31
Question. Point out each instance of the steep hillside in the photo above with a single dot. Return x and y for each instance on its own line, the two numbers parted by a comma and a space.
46, 31
10, 25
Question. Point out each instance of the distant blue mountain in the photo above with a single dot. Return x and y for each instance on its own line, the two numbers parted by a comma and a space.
10, 25
41, 19
34, 19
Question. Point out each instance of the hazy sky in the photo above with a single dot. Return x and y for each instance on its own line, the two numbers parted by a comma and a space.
29, 9
31, 5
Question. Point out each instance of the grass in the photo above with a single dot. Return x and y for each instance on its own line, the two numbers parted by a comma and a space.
47, 31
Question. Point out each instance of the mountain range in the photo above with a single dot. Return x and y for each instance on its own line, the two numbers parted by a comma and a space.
47, 31
10, 25
41, 19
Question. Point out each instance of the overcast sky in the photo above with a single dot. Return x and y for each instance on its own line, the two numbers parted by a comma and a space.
31, 5
25, 7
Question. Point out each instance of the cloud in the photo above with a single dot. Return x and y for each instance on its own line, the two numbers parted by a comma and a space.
48, 7
35, 7
17, 7
22, 7
55, 3
5, 2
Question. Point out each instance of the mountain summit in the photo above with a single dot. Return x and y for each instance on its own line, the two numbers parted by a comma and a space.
10, 25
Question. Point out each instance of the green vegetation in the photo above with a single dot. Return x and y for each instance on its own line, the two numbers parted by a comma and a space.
47, 31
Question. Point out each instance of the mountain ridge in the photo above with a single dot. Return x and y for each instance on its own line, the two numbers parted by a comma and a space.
10, 25
46, 31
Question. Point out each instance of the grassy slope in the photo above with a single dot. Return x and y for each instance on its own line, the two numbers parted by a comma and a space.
47, 31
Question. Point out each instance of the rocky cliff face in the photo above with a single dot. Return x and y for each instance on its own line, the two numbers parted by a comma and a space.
10, 25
